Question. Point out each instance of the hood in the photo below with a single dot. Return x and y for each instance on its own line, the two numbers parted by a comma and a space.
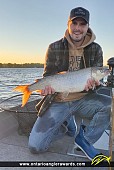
89, 38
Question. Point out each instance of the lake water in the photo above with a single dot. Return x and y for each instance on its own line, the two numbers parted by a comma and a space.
12, 77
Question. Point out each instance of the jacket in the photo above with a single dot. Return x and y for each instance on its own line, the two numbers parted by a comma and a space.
57, 57
57, 60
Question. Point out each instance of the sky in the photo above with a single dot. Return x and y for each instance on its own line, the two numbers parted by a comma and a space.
27, 27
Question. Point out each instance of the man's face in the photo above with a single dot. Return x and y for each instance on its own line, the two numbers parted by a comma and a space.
77, 29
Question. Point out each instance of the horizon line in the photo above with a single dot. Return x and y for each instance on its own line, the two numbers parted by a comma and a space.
21, 63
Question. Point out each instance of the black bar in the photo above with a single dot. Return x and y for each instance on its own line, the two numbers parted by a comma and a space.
54, 164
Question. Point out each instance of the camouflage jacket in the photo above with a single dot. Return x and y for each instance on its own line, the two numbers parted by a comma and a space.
57, 60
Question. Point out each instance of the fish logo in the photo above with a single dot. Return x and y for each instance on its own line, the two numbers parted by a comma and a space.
99, 158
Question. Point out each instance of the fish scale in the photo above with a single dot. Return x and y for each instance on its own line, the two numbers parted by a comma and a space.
70, 81
63, 82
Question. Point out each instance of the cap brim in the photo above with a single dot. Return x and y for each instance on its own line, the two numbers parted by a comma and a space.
79, 17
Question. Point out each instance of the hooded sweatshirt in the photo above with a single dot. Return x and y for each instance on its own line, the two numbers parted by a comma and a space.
76, 55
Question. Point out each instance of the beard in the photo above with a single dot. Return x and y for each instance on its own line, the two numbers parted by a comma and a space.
77, 38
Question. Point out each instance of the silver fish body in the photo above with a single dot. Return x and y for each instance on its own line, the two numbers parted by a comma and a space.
70, 81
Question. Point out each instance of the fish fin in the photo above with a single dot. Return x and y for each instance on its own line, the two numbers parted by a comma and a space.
62, 72
37, 80
38, 91
21, 88
26, 93
25, 97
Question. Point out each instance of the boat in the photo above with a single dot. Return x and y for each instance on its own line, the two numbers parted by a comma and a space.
16, 124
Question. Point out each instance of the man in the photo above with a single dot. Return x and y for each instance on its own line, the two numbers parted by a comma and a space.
75, 51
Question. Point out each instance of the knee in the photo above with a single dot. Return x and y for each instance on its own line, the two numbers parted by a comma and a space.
106, 110
37, 146
105, 113
33, 149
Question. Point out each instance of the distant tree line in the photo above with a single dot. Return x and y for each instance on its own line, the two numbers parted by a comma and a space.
25, 65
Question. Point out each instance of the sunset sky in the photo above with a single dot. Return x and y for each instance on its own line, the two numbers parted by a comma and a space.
27, 27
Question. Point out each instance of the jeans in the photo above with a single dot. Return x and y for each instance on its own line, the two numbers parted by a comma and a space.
71, 126
48, 127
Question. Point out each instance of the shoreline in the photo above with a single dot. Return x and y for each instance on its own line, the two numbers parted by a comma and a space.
25, 65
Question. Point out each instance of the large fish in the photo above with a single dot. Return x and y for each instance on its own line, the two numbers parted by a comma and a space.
65, 82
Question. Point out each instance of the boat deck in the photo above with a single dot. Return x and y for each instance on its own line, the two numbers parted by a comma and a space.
15, 148
14, 145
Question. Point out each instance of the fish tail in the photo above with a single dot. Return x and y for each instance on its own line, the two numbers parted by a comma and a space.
26, 93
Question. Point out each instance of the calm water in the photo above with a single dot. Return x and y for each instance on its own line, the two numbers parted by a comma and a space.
11, 77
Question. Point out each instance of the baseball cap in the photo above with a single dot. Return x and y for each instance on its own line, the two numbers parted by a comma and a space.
79, 12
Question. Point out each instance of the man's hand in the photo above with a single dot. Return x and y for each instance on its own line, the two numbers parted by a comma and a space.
47, 90
91, 84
